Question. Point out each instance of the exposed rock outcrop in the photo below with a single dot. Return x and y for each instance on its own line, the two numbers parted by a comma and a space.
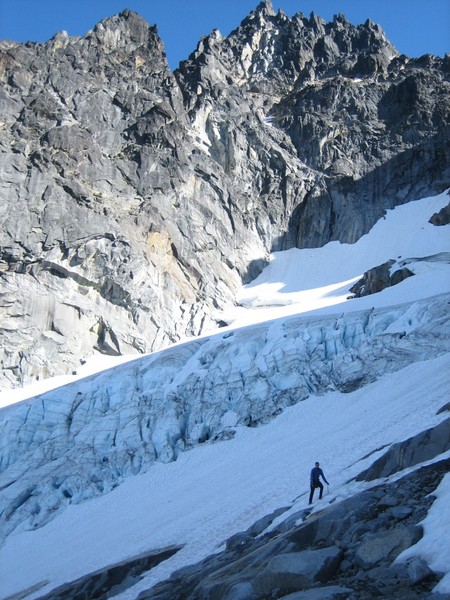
98, 585
136, 200
420, 448
347, 550
379, 278
442, 217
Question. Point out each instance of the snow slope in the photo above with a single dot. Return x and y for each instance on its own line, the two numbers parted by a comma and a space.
217, 489
318, 280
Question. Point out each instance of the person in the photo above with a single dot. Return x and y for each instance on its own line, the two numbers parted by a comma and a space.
316, 474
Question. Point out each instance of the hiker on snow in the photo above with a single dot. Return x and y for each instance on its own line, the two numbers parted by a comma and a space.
316, 473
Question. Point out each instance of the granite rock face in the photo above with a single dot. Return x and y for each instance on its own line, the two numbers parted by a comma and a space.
136, 200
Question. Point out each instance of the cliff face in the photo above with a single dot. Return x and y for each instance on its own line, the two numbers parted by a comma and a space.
136, 200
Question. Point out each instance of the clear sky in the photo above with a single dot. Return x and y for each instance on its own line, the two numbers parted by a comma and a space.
415, 27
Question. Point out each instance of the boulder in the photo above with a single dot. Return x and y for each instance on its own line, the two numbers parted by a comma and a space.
401, 512
442, 217
418, 570
386, 545
241, 591
295, 570
388, 501
379, 278
330, 592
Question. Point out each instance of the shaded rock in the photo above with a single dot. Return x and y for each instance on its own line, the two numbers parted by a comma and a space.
424, 446
388, 501
401, 512
373, 281
233, 571
330, 592
418, 570
442, 217
239, 540
379, 278
386, 545
291, 571
400, 275
264, 522
241, 591
444, 408
336, 524
98, 584
242, 539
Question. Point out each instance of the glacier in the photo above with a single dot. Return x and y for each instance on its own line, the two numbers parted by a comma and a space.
302, 369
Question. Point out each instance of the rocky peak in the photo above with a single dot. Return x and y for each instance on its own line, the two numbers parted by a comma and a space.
340, 19
316, 23
274, 51
127, 30
263, 12
146, 197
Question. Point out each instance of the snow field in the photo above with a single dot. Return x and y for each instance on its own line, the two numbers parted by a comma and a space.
302, 281
218, 489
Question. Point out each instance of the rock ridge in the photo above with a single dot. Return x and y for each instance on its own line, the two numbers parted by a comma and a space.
142, 198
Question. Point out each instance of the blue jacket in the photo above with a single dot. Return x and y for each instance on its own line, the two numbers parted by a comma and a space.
316, 473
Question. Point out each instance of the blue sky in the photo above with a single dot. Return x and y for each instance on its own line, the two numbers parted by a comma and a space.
415, 27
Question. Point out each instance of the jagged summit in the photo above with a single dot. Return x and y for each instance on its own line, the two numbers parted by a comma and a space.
270, 46
148, 197
127, 27
127, 34
263, 11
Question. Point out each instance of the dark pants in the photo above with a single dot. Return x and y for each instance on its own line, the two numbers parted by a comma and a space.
319, 485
